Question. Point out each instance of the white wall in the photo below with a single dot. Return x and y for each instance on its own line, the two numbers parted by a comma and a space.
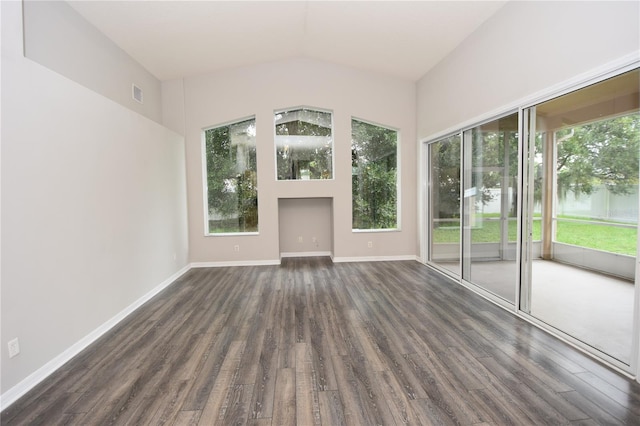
260, 90
173, 105
93, 210
61, 39
526, 47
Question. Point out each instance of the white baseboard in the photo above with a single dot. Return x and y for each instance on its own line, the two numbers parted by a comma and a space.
307, 254
234, 263
375, 258
28, 383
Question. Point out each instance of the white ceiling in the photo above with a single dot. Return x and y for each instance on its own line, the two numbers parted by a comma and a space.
174, 39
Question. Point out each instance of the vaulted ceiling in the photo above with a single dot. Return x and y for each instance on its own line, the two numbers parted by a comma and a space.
183, 38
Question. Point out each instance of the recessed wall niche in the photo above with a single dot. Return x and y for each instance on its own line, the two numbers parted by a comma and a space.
305, 226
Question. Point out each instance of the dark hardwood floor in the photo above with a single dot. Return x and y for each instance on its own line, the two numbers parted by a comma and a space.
310, 342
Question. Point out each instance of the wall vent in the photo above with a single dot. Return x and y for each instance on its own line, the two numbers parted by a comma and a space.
137, 93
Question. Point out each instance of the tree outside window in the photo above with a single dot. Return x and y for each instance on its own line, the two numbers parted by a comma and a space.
231, 183
374, 176
601, 153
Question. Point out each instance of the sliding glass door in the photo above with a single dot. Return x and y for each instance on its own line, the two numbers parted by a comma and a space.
581, 214
490, 206
444, 203
473, 205
539, 210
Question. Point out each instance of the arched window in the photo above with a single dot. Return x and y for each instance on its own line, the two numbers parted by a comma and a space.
304, 144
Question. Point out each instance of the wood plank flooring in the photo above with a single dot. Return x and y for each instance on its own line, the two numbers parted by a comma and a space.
313, 343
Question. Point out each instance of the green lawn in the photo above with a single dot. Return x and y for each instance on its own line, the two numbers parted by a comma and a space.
600, 237
596, 236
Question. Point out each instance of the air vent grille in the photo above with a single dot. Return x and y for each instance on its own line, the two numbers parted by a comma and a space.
137, 93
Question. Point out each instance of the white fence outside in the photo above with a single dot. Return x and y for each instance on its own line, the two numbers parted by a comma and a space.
600, 204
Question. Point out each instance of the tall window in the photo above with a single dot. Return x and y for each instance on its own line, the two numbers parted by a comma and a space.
231, 181
374, 164
304, 144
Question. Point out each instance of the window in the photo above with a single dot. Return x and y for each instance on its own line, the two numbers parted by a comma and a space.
304, 144
231, 181
374, 164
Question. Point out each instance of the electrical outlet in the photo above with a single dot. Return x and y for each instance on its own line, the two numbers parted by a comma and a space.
14, 347
370, 244
300, 239
236, 248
